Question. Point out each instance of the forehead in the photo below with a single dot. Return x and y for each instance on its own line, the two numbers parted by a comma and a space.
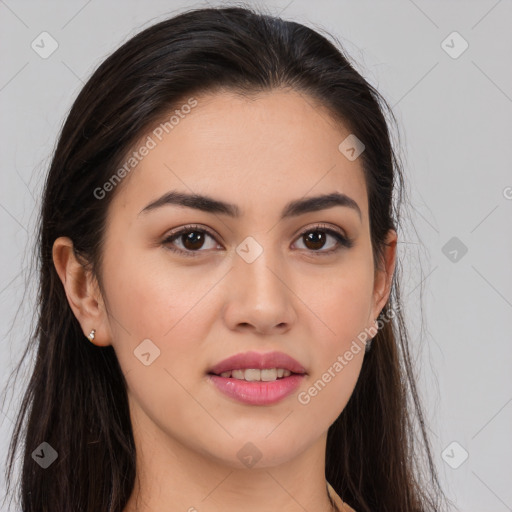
258, 151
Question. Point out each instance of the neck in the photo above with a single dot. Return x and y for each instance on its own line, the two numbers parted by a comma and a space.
174, 477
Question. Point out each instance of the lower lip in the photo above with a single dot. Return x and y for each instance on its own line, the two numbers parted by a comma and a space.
257, 393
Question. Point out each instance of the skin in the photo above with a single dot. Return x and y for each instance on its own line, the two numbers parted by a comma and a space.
260, 153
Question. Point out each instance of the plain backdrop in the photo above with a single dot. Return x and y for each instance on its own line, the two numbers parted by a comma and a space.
445, 67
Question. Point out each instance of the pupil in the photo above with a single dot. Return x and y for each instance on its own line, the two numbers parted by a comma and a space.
193, 240
316, 238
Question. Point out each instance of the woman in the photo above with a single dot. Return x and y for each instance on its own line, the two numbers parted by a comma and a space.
219, 322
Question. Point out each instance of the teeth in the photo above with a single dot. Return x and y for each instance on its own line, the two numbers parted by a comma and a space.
267, 375
255, 375
252, 375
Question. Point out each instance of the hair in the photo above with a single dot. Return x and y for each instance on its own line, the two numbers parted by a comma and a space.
76, 399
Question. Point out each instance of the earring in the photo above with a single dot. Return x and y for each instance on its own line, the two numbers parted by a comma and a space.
92, 335
368, 345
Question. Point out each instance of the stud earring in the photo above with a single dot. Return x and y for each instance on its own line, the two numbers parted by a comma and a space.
368, 345
92, 335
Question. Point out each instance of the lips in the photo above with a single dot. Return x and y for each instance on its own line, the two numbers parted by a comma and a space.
259, 361
252, 391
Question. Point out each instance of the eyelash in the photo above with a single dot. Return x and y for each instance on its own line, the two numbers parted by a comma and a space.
343, 241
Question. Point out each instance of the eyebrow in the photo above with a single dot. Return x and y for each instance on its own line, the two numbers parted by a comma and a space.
291, 209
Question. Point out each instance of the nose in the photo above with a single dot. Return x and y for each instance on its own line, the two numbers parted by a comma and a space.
260, 297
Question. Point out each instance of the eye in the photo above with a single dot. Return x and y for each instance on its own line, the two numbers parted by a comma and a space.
192, 239
315, 238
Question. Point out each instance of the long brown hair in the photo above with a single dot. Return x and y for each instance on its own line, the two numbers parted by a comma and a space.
76, 399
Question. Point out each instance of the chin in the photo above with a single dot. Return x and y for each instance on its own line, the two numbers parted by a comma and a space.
258, 452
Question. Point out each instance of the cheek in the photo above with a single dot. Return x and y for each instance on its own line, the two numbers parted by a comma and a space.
339, 353
342, 300
165, 308
150, 298
160, 304
343, 303
176, 309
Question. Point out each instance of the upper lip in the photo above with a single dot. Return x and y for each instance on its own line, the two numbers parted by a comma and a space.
258, 361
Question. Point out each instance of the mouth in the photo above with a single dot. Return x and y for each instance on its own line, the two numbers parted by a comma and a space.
257, 374
257, 379
255, 366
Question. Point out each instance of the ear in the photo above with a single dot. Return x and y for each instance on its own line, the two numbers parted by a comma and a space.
82, 291
384, 274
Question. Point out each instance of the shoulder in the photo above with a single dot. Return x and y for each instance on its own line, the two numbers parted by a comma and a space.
342, 506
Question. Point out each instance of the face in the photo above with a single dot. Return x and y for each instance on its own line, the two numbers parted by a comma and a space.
258, 276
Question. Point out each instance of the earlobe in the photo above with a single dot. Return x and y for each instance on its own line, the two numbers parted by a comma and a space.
384, 274
82, 292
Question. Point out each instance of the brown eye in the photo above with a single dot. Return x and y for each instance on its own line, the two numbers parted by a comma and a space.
315, 239
193, 240
189, 241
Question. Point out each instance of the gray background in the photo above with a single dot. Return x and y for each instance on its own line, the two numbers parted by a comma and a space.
456, 126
